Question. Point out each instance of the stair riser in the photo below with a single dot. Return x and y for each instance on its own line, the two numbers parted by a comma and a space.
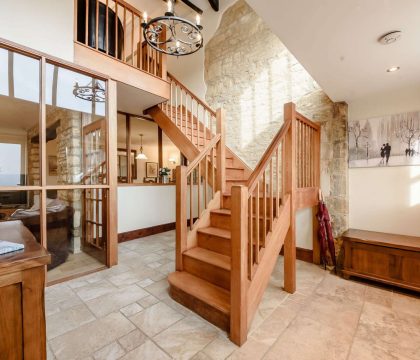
208, 312
235, 174
213, 274
214, 243
221, 221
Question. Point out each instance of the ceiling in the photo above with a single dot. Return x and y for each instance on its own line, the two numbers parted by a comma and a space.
337, 42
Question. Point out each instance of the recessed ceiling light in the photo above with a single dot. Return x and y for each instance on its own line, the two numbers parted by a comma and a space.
393, 69
390, 37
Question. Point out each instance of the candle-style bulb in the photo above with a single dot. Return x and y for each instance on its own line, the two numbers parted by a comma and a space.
178, 44
170, 6
197, 19
145, 17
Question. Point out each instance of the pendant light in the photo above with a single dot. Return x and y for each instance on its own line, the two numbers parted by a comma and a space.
141, 156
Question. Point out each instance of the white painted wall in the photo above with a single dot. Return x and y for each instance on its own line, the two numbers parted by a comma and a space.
43, 25
304, 232
385, 199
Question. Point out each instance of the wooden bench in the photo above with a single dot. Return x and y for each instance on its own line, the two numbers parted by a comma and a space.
388, 258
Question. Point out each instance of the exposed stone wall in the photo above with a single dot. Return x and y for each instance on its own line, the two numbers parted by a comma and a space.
251, 74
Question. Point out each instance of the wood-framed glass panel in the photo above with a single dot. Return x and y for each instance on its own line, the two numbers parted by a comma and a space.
75, 128
19, 119
76, 231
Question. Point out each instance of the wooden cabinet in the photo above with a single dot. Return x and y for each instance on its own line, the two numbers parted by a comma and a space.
388, 258
22, 311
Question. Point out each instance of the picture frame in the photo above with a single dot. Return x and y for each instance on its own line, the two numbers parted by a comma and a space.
152, 169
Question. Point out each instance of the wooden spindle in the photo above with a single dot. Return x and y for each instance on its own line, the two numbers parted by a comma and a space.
132, 38
206, 172
176, 106
125, 32
213, 180
257, 224
116, 29
277, 181
140, 47
271, 196
264, 180
191, 200
250, 236
106, 27
199, 190
87, 24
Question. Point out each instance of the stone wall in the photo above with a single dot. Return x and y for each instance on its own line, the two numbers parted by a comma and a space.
251, 74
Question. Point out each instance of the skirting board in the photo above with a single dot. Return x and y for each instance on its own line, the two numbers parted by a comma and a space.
139, 233
153, 230
302, 254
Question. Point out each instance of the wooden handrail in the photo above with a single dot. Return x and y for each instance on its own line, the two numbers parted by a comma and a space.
268, 154
213, 142
127, 48
181, 85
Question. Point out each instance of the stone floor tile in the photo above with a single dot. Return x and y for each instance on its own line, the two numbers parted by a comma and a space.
89, 338
132, 340
251, 350
159, 289
186, 338
114, 301
131, 309
309, 339
146, 351
148, 301
110, 352
66, 320
220, 348
406, 303
145, 282
155, 319
94, 290
378, 296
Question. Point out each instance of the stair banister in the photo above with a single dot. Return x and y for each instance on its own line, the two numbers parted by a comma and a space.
216, 181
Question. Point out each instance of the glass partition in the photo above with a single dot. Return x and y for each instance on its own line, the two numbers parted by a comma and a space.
19, 119
73, 158
76, 128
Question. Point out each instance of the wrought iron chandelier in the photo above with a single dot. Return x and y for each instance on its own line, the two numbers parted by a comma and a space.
93, 91
173, 35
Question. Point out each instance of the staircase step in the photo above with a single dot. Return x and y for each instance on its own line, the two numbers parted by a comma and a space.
215, 239
208, 265
207, 300
220, 219
235, 173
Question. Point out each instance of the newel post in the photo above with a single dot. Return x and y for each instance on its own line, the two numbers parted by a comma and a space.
181, 214
290, 188
239, 261
220, 154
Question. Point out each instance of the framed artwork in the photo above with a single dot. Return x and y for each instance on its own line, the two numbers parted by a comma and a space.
52, 165
152, 169
391, 140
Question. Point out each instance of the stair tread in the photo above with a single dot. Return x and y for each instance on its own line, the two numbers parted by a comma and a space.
207, 292
209, 257
221, 212
215, 231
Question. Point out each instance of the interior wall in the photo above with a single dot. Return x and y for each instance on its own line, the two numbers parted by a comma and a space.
385, 199
251, 74
43, 25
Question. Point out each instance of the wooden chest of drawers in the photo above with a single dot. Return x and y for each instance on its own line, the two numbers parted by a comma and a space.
22, 311
388, 258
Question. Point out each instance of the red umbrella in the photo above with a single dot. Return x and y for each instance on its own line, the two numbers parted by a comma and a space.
325, 235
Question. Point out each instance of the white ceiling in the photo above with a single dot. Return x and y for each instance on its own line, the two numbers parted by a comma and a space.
336, 41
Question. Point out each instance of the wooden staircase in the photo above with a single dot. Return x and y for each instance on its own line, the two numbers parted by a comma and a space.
231, 221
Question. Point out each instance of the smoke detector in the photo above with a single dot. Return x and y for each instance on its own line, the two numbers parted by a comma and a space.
390, 37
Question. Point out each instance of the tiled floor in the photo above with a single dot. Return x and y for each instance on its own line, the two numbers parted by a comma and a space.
125, 313
75, 264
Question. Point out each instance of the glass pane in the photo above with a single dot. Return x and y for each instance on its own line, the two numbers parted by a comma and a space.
147, 168
76, 231
76, 128
22, 206
19, 119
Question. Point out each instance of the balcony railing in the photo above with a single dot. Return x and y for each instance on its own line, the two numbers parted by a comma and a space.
113, 28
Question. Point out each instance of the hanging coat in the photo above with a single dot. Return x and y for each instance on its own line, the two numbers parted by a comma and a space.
325, 235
